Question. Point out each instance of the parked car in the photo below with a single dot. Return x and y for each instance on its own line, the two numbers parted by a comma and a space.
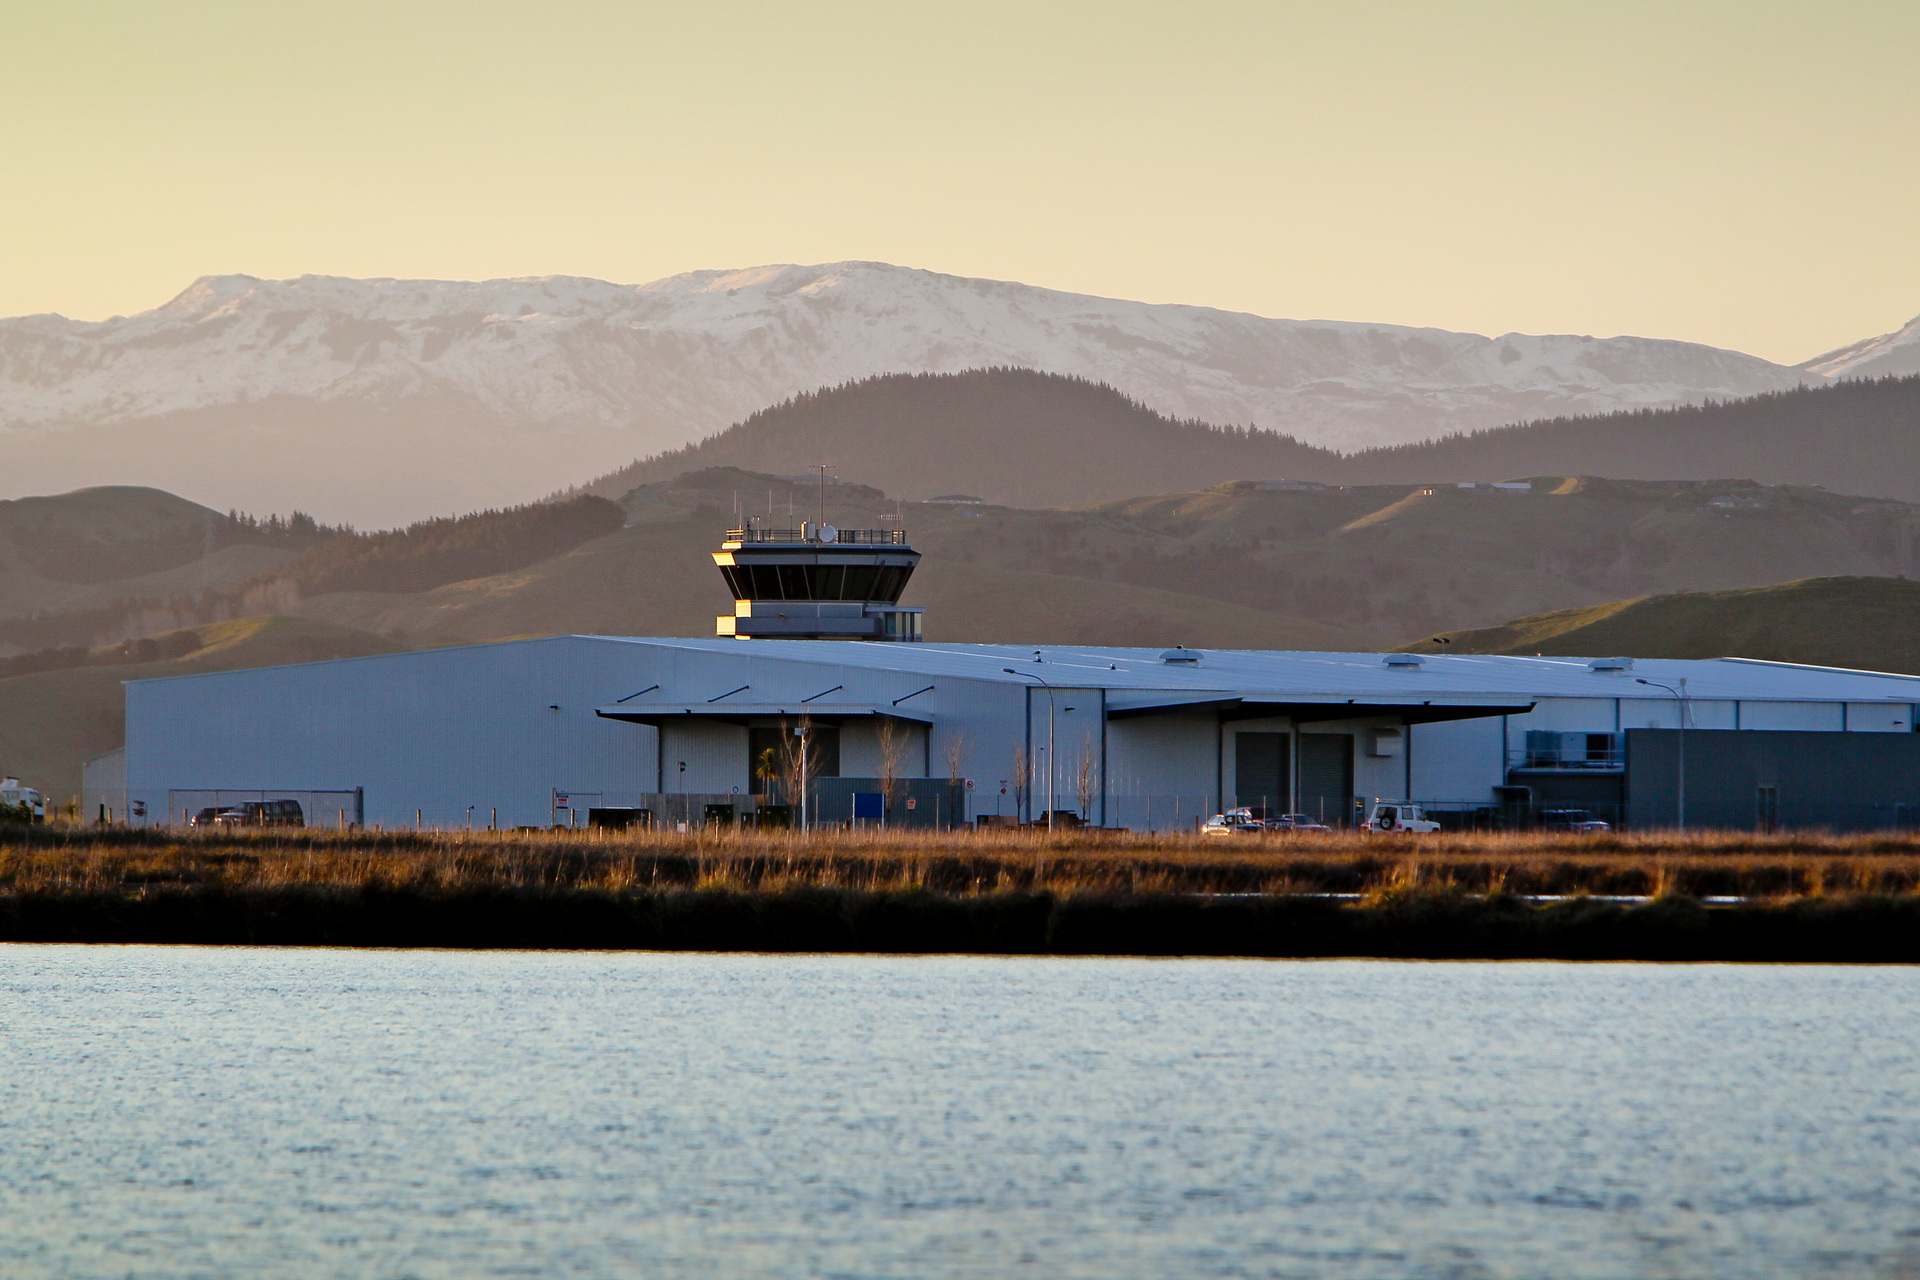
253, 813
1579, 821
1234, 822
1398, 817
1297, 822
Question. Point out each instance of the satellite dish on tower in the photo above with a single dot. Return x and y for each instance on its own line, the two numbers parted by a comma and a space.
828, 533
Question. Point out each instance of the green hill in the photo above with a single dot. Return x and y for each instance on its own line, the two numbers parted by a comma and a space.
1867, 623
52, 720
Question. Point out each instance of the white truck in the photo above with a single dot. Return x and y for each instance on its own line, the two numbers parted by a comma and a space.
1398, 817
12, 793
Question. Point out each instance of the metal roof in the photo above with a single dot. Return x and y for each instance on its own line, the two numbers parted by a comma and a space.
1329, 675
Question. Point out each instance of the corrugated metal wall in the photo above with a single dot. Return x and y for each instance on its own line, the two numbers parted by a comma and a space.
1839, 781
502, 727
494, 727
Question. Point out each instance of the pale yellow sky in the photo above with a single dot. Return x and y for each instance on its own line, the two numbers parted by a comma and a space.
1746, 175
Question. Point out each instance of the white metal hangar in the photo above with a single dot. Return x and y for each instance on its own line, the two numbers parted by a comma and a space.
542, 731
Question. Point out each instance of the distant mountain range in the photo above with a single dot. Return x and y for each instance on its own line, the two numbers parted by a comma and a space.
1022, 438
378, 401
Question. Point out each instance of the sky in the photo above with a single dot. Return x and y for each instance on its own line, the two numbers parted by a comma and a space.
1745, 175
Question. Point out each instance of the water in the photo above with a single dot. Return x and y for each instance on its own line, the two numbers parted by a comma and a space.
262, 1113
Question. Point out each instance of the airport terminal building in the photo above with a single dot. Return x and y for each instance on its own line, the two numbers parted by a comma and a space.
531, 732
541, 732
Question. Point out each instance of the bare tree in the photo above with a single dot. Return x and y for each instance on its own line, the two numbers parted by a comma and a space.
956, 752
1086, 777
798, 760
893, 753
1021, 765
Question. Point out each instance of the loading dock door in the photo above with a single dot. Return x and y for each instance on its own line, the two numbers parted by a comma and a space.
1326, 777
1260, 772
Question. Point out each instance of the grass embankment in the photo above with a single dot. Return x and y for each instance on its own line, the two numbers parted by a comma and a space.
1804, 898
1871, 623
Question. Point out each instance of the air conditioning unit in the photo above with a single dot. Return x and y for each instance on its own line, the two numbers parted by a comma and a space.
1384, 742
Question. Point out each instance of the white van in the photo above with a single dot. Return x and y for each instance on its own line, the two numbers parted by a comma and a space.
11, 792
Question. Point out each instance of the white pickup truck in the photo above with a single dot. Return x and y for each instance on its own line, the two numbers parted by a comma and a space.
1396, 817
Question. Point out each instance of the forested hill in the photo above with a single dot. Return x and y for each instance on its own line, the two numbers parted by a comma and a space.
1013, 436
1022, 438
1851, 437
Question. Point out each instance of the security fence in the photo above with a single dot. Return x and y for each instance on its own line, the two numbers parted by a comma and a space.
336, 810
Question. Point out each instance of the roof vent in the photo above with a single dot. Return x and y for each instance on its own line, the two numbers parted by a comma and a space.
1182, 657
1611, 664
1410, 661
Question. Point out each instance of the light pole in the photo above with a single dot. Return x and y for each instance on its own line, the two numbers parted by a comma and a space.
822, 468
1680, 696
801, 733
1049, 688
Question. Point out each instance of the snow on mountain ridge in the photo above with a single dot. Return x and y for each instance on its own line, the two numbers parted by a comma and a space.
1895, 354
536, 382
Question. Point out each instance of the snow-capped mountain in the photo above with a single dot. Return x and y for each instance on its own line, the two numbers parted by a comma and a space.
383, 400
1891, 355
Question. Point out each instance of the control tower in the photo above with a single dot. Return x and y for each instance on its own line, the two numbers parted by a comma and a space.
817, 583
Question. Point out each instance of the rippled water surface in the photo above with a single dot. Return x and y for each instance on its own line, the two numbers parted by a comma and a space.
247, 1113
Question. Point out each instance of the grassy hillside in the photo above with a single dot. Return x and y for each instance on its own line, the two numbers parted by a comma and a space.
51, 721
1237, 564
656, 577
1350, 568
1023, 438
1401, 561
81, 550
248, 567
1868, 623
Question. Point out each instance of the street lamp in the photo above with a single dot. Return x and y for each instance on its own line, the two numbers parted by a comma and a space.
806, 744
1680, 695
1049, 688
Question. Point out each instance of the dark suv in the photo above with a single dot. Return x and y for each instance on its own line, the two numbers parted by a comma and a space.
1576, 820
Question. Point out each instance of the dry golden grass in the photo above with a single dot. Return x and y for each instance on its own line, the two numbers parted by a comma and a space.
965, 863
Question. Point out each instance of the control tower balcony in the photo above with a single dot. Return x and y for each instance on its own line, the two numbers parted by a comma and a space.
817, 582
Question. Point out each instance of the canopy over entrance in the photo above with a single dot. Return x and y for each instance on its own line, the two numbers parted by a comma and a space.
657, 714
1231, 707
